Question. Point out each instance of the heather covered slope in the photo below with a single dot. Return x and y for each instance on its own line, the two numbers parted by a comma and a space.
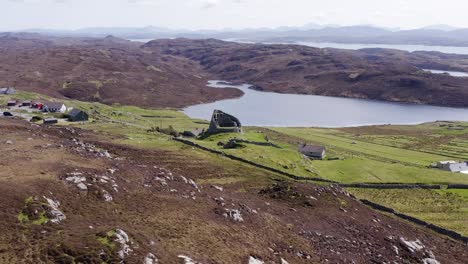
377, 74
108, 70
173, 73
77, 196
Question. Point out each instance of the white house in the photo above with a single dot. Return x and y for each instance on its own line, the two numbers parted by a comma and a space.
453, 166
54, 107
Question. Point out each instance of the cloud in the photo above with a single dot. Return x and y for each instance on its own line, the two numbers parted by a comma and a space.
38, 1
207, 4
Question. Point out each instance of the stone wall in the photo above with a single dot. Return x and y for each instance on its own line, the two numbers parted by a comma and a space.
292, 176
344, 185
390, 186
266, 144
435, 228
376, 206
457, 186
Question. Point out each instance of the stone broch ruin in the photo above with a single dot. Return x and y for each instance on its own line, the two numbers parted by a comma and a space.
224, 123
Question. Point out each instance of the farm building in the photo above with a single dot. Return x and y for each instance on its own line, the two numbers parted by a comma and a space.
11, 103
26, 103
313, 152
54, 107
224, 123
50, 121
77, 115
8, 90
453, 166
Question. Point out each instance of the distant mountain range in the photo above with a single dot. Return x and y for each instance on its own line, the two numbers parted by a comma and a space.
436, 35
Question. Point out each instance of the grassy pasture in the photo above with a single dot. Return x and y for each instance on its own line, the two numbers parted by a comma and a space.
447, 208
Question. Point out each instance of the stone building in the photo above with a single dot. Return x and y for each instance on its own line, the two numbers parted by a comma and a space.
224, 123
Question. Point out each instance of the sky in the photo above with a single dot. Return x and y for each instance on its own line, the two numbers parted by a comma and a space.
233, 14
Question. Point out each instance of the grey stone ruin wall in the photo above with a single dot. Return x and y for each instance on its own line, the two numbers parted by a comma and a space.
221, 124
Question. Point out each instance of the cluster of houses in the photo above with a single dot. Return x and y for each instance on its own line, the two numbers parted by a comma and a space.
51, 107
453, 166
75, 115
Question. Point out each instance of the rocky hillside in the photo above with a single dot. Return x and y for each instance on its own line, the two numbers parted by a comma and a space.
371, 74
73, 197
174, 73
108, 70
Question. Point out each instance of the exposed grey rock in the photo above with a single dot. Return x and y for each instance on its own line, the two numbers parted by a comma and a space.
161, 180
412, 246
430, 261
123, 239
76, 179
150, 259
234, 214
218, 188
106, 195
82, 186
106, 154
188, 260
253, 260
57, 215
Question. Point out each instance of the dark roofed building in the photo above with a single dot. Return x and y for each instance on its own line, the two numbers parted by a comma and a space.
11, 103
313, 152
54, 107
77, 115
50, 121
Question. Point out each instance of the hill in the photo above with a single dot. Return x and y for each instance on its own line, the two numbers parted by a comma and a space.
174, 73
86, 198
436, 35
377, 74
108, 70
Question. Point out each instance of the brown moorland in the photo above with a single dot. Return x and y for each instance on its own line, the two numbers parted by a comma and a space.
377, 74
69, 195
174, 73
108, 70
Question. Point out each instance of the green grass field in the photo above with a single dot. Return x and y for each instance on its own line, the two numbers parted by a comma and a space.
367, 170
365, 154
363, 161
285, 158
342, 144
447, 208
